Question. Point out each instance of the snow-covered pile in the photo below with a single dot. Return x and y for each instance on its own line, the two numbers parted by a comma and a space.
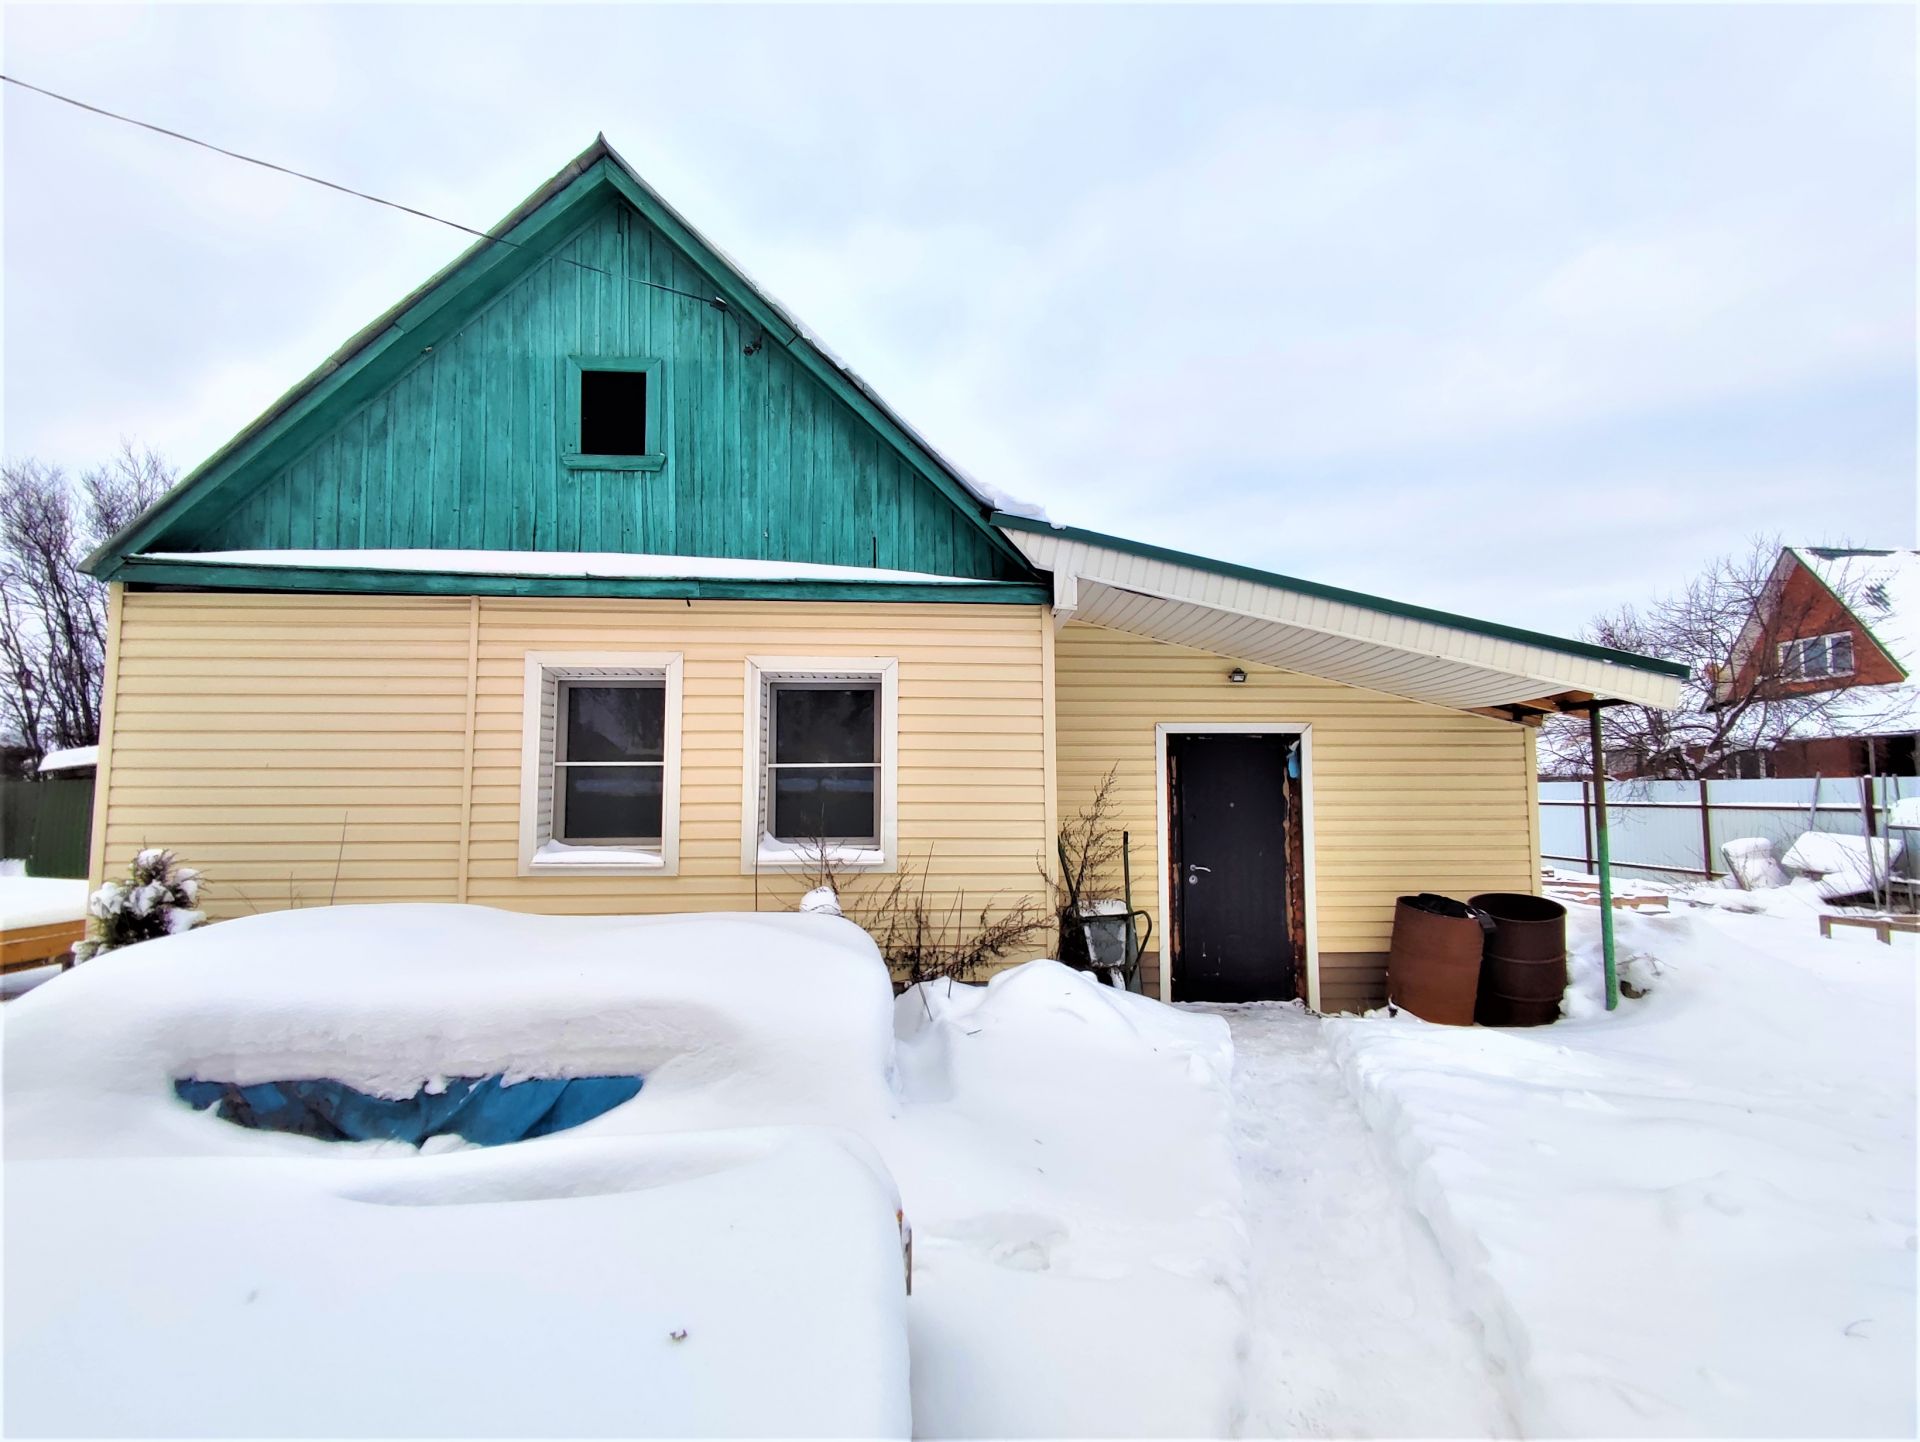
170, 1273
40, 901
1843, 865
1694, 1215
740, 1283
1065, 1152
1062, 1150
770, 1018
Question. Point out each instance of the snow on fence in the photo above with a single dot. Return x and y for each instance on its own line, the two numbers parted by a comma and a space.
1673, 830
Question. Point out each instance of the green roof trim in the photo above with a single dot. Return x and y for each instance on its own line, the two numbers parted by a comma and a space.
354, 580
1492, 629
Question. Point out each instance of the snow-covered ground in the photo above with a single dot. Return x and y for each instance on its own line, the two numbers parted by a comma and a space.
1694, 1216
1066, 1156
1063, 1150
1353, 1327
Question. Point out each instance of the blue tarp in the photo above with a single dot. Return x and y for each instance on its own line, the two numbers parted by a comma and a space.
484, 1110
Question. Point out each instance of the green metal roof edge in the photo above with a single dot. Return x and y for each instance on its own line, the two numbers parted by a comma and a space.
1492, 629
1800, 558
198, 575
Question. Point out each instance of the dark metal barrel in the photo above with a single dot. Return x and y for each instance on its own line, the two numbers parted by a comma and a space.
1433, 964
1524, 971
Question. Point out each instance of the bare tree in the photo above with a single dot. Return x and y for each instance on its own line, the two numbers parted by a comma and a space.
53, 623
1727, 625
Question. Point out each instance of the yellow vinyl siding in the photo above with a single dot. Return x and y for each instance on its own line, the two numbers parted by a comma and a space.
249, 727
1406, 796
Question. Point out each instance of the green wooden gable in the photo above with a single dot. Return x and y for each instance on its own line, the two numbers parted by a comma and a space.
452, 422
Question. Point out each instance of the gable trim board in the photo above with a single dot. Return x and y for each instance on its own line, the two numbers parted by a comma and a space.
377, 356
1341, 635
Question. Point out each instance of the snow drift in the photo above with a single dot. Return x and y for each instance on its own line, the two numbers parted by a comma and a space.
171, 1273
1692, 1216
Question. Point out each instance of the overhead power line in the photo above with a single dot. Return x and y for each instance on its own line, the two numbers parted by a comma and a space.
717, 302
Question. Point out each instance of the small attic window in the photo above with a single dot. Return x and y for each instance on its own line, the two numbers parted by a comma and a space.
613, 414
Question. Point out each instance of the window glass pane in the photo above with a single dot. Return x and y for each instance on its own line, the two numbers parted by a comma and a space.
610, 803
614, 723
1840, 655
825, 723
825, 803
613, 413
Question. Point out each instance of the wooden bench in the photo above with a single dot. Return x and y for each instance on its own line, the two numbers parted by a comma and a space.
28, 946
1882, 925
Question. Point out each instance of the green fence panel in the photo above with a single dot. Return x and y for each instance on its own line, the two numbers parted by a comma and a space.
48, 824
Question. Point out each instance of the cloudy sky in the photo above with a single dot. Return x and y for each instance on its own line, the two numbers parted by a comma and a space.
1519, 311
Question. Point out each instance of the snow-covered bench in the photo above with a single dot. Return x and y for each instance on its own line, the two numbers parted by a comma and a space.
41, 917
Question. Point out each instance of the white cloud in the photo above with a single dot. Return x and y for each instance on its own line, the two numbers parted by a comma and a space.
1316, 287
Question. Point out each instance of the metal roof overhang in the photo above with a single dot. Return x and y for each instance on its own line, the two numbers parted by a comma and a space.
1402, 651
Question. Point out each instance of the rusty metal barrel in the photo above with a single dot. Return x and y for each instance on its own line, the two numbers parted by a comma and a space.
1433, 964
1524, 971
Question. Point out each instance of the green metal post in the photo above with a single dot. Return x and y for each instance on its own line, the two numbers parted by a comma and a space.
1606, 860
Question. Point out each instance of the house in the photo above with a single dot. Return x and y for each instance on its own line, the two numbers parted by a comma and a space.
587, 580
1840, 623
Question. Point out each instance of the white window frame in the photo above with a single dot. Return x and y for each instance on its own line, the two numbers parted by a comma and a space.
1804, 644
545, 670
762, 670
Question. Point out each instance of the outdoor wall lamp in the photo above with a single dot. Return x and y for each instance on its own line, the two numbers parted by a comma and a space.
1237, 677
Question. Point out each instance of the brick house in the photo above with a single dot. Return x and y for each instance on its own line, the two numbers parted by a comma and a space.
1845, 620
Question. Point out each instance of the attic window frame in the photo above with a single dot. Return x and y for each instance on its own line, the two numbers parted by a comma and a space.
655, 371
1795, 654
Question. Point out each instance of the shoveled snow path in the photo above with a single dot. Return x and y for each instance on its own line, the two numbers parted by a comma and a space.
1354, 1330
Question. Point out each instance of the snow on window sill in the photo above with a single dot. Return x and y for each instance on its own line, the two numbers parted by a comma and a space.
559, 855
774, 852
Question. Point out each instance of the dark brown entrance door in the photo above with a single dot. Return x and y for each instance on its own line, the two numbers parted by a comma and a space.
1229, 887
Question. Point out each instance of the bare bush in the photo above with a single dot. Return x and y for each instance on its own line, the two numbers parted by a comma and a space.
1089, 852
922, 938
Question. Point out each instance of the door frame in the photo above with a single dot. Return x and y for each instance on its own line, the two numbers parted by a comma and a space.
1162, 797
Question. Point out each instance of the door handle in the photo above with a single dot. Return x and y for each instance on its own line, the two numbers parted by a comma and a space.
1191, 868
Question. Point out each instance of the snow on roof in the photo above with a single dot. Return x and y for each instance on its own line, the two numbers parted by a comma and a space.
1884, 587
600, 564
72, 758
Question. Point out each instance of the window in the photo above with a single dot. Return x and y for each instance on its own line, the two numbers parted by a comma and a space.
821, 743
615, 414
600, 763
823, 761
609, 762
1815, 657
